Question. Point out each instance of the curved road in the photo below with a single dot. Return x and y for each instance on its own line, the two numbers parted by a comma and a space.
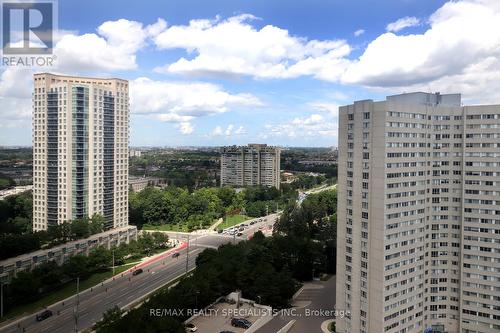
125, 289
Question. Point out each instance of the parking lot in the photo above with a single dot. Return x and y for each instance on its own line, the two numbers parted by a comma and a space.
218, 318
247, 228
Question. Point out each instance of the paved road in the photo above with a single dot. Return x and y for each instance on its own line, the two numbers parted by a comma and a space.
315, 296
125, 289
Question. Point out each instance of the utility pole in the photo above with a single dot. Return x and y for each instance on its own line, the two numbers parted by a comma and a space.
1, 299
187, 255
113, 262
77, 302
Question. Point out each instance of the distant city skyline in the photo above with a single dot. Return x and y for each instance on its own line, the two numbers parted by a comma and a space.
234, 72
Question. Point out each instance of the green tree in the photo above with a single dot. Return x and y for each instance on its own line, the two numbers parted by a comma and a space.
24, 287
109, 318
77, 266
226, 195
100, 259
96, 224
80, 228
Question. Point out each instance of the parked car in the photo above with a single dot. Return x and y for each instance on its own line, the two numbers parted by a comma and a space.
241, 229
43, 315
253, 222
240, 322
175, 255
137, 271
191, 327
239, 234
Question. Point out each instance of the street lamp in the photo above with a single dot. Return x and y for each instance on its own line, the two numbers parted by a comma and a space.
77, 302
1, 299
187, 254
196, 299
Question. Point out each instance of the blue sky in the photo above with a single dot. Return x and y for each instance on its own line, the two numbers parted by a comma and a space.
233, 71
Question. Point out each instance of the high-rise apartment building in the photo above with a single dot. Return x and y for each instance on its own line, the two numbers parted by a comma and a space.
418, 233
255, 164
80, 149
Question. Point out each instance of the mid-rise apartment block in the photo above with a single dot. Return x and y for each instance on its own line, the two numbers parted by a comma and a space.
255, 164
80, 149
418, 236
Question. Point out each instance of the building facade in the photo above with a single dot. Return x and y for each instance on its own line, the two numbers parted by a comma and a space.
419, 215
255, 164
61, 253
80, 149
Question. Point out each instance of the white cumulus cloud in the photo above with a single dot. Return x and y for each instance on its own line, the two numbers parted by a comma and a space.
457, 53
234, 47
230, 130
186, 128
313, 126
359, 32
182, 102
402, 23
112, 48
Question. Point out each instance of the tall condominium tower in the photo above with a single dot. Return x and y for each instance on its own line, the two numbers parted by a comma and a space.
419, 215
80, 149
255, 164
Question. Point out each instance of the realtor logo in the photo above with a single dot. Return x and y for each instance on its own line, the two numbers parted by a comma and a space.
27, 27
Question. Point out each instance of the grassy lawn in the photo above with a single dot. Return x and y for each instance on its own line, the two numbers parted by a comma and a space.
166, 227
228, 222
231, 220
65, 292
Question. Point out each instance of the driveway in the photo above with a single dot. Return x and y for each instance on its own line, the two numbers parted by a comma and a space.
314, 305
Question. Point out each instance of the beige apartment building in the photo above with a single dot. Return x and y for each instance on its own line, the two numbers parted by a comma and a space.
80, 149
255, 164
418, 233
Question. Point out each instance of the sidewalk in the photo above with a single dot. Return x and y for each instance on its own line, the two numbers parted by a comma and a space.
149, 260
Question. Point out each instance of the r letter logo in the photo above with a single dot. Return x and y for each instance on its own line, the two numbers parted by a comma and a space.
27, 27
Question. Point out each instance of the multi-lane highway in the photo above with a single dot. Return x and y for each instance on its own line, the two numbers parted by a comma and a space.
126, 289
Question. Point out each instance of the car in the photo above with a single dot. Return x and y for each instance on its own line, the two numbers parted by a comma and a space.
253, 222
191, 327
43, 315
241, 229
243, 225
239, 234
137, 271
175, 255
240, 322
